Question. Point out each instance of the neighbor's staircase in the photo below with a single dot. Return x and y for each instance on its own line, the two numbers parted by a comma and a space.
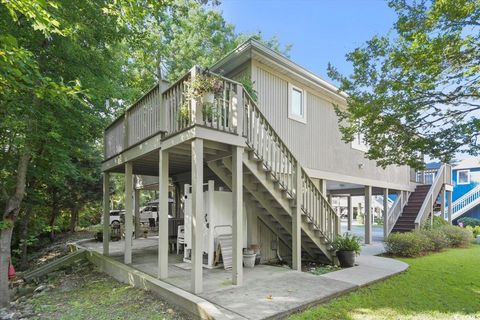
465, 203
270, 180
406, 221
420, 204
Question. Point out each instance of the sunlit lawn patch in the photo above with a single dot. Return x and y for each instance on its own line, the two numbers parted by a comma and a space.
444, 285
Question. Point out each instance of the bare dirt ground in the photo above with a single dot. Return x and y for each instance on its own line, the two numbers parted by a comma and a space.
81, 292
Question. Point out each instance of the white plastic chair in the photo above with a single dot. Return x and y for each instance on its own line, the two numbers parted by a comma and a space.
180, 237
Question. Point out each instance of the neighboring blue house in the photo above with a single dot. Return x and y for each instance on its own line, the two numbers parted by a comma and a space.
466, 186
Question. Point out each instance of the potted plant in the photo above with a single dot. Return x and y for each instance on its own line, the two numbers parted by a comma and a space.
346, 247
205, 86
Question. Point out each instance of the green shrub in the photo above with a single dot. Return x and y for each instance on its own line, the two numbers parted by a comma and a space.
437, 240
457, 237
439, 222
474, 230
467, 221
347, 242
408, 244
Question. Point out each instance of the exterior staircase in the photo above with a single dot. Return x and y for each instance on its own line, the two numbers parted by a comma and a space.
420, 204
276, 184
406, 221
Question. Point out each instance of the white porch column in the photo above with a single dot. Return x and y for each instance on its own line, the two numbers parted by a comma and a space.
297, 223
162, 214
349, 213
197, 215
128, 212
237, 190
450, 207
443, 198
385, 213
136, 209
368, 214
106, 213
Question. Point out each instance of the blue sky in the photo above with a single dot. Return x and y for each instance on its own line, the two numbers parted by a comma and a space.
321, 31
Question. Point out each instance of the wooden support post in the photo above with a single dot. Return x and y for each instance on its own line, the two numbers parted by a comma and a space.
385, 213
237, 111
450, 207
443, 199
368, 214
322, 185
209, 209
297, 222
197, 112
349, 213
128, 212
106, 213
136, 209
237, 190
163, 214
197, 215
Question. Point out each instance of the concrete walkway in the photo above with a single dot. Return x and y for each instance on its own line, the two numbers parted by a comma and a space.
268, 291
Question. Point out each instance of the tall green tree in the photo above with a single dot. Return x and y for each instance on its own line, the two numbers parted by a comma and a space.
66, 69
415, 91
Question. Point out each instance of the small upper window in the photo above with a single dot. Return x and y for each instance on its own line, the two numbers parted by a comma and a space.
463, 177
359, 142
296, 104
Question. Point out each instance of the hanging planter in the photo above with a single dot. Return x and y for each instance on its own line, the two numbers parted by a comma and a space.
208, 97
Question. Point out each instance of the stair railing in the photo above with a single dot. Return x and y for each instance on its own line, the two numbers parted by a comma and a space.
282, 165
396, 210
465, 202
442, 177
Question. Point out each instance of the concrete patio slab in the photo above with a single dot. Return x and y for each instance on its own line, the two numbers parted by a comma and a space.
267, 291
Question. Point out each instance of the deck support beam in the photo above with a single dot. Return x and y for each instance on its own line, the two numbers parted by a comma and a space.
106, 213
443, 199
197, 215
368, 214
163, 157
237, 219
349, 213
297, 223
128, 212
385, 213
136, 209
450, 207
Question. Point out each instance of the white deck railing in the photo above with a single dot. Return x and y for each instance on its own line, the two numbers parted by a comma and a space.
396, 209
465, 203
140, 121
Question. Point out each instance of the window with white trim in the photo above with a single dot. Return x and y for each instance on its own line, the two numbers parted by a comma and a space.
359, 143
463, 177
297, 108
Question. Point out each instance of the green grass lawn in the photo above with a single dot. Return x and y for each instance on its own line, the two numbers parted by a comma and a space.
444, 285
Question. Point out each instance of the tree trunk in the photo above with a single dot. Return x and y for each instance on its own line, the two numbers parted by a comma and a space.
53, 217
5, 241
9, 215
73, 219
24, 238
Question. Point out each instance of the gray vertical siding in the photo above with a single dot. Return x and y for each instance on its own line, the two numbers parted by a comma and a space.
317, 144
265, 238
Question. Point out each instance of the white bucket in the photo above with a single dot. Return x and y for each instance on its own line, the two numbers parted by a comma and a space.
249, 260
